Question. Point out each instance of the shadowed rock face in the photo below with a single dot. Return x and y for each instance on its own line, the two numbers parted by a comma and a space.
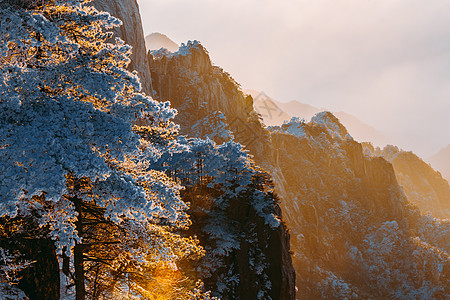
354, 234
132, 33
41, 280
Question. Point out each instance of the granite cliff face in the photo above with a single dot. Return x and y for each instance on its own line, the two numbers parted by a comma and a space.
354, 233
132, 33
41, 279
246, 257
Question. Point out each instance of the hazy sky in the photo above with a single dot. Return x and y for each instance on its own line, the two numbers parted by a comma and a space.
385, 61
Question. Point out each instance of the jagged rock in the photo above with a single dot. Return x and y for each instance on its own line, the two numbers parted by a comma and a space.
22, 236
41, 280
193, 85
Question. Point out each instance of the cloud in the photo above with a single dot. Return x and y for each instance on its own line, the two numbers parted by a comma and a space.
385, 61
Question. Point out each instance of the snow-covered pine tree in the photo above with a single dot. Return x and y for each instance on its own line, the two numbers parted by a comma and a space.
227, 190
70, 156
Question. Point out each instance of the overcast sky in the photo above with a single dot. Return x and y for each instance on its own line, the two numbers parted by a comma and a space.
385, 61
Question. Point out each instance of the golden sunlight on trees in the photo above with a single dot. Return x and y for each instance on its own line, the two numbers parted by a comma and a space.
71, 163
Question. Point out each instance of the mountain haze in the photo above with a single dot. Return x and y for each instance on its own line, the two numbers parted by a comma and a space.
423, 186
441, 162
276, 112
156, 41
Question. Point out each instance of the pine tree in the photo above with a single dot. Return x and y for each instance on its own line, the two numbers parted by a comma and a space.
225, 187
77, 144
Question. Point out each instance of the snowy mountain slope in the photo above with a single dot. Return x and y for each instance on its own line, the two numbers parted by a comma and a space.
354, 233
156, 41
441, 162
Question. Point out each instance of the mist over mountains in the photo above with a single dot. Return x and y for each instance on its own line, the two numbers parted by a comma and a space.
156, 41
441, 161
376, 60
275, 113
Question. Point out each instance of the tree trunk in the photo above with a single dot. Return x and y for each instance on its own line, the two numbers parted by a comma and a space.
80, 288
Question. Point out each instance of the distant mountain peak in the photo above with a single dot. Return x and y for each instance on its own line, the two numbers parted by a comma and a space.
156, 41
275, 113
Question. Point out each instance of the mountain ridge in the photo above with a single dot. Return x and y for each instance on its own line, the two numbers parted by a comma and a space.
275, 113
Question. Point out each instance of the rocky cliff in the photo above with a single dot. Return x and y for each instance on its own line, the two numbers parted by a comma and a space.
211, 106
354, 230
23, 237
132, 33
423, 186
203, 93
354, 233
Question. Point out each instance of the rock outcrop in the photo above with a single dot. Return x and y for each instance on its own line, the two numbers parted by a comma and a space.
22, 236
197, 89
